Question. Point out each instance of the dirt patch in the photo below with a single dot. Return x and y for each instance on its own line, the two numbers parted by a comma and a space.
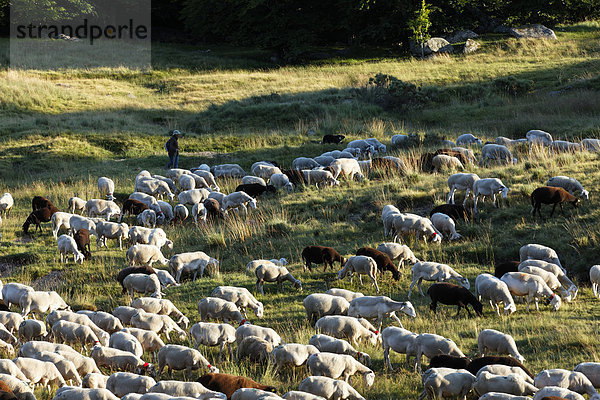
24, 239
12, 261
49, 282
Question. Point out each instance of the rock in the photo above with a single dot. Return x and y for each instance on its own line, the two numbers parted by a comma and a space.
462, 36
534, 31
471, 46
432, 46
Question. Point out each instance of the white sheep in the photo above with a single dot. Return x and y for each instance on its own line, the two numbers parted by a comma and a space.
591, 370
430, 345
144, 254
81, 319
170, 182
364, 146
318, 305
274, 273
98, 207
156, 237
149, 340
106, 187
10, 368
67, 245
558, 392
74, 333
292, 354
161, 306
228, 171
446, 225
573, 380
591, 144
147, 199
346, 294
147, 218
65, 367
111, 230
398, 139
531, 286
177, 358
156, 323
120, 360
122, 383
348, 167
434, 272
126, 342
511, 384
467, 153
265, 171
124, 314
195, 262
461, 181
217, 308
94, 380
341, 327
361, 265
31, 329
388, 214
60, 220
504, 141
167, 212
43, 372
338, 366
208, 177
571, 185
496, 291
498, 342
20, 389
77, 222
304, 163
539, 252
380, 307
249, 179
554, 269
76, 204
8, 337
329, 388
103, 320
238, 199
443, 161
536, 136
83, 364
180, 212
199, 212
252, 265
241, 297
421, 227
246, 330
153, 187
193, 196
563, 146
6, 205
187, 182
212, 334
11, 320
254, 348
182, 390
488, 187
501, 369
467, 139
281, 181
298, 395
401, 341
75, 393
595, 279
497, 152
165, 278
142, 283
329, 344
548, 277
41, 302
317, 177
439, 383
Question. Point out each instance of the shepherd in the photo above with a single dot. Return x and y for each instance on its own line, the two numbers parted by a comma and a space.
172, 148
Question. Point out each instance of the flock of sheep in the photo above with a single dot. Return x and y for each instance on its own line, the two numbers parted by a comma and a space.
342, 318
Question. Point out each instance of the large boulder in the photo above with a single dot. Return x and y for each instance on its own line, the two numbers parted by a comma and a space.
534, 31
432, 46
462, 36
471, 46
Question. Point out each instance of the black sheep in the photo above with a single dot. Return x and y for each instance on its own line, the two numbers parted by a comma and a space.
551, 195
333, 139
383, 260
506, 266
295, 176
321, 255
476, 364
451, 294
455, 211
37, 217
82, 238
40, 202
255, 189
447, 361
133, 270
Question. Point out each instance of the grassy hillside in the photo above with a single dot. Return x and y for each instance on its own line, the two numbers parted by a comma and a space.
62, 130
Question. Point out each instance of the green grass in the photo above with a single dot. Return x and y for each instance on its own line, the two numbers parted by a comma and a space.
62, 130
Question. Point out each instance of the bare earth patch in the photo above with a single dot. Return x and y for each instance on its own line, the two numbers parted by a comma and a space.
49, 282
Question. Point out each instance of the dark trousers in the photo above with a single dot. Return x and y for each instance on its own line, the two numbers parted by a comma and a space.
173, 161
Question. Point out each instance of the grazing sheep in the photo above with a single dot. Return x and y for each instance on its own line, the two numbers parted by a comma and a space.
94, 380
199, 210
82, 238
144, 254
383, 261
406, 223
10, 368
347, 167
253, 394
591, 144
430, 345
496, 291
496, 341
292, 354
504, 141
447, 361
81, 319
321, 255
156, 237
177, 358
333, 139
442, 161
156, 323
241, 297
111, 230
193, 196
531, 286
342, 327
281, 181
190, 262
41, 302
595, 279
228, 171
6, 204
20, 389
461, 181
572, 380
66, 245
536, 136
105, 321
571, 185
39, 202
396, 251
60, 220
488, 187
539, 252
170, 182
120, 360
180, 213
124, 314
126, 342
511, 384
439, 383
254, 348
317, 177
217, 308
550, 279
161, 306
147, 218
445, 224
238, 199
388, 214
467, 139
42, 372
551, 195
556, 393
265, 170
338, 366
98, 207
11, 320
106, 187
500, 369
563, 146
77, 222
37, 217
167, 212
328, 388
211, 334
142, 283
132, 207
133, 270
401, 341
326, 343
253, 179
255, 189
364, 146
591, 370
456, 212
450, 294
304, 163
379, 307
246, 329
497, 152
467, 153
65, 367
274, 273
182, 390
555, 270
153, 187
228, 384
362, 265
73, 333
187, 182
318, 305
31, 329
122, 383
432, 271
346, 294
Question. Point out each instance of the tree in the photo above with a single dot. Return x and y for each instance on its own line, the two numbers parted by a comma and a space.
420, 25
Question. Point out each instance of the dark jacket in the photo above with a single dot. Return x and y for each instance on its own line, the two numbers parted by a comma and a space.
172, 145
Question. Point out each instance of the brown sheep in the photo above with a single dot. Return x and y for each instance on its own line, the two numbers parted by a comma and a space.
133, 270
385, 165
37, 217
451, 294
228, 384
448, 361
551, 195
321, 255
481, 362
213, 209
383, 260
82, 238
132, 207
506, 266
40, 202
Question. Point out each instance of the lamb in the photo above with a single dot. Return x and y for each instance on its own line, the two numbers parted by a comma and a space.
511, 384
82, 239
147, 218
556, 393
317, 177
167, 212
321, 255
60, 220
94, 380
430, 345
122, 383
591, 370
238, 199
149, 340
571, 185
133, 270
65, 367
103, 320
228, 384
161, 306
42, 372
193, 196
6, 204
445, 224
41, 302
572, 380
76, 204
441, 382
120, 360
254, 348
241, 297
531, 286
467, 139
551, 195
442, 161
432, 271
228, 171
177, 358
111, 230
199, 211
510, 142
550, 279
461, 181
347, 167
11, 320
338, 365
500, 369
156, 237
496, 291
126, 342
379, 307
318, 305
211, 334
37, 217
539, 252
304, 163
72, 333
346, 294
190, 262
293, 354
66, 245
246, 329
346, 327
31, 329
142, 283
399, 252
10, 368
156, 323
214, 307
497, 152
450, 294
77, 222
362, 265
536, 137
281, 181
406, 223
274, 273
488, 187
20, 389
325, 343
97, 207
501, 343
180, 213
132, 207
330, 389
144, 254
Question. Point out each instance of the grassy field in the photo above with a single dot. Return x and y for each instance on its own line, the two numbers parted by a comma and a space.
62, 130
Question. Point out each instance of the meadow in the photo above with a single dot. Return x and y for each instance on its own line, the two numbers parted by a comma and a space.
61, 130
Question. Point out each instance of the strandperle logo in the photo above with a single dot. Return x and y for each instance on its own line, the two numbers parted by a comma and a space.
87, 31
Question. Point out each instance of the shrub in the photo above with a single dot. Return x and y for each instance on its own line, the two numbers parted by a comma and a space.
392, 93
513, 86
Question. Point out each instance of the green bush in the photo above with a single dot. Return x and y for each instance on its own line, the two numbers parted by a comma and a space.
513, 86
392, 93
